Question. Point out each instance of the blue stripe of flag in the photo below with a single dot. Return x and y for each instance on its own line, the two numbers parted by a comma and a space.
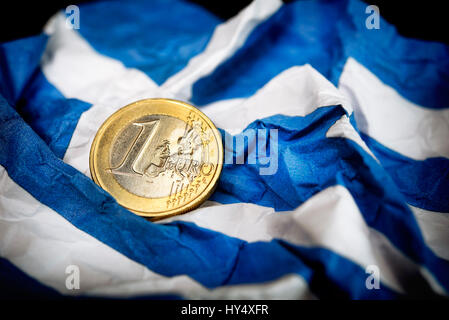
324, 34
424, 184
158, 37
40, 104
310, 162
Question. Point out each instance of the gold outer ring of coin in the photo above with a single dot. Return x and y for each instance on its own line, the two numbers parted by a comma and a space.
123, 127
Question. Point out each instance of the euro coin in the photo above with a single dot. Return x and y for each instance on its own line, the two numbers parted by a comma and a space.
157, 157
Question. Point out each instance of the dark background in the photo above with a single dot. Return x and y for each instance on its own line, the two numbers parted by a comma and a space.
427, 20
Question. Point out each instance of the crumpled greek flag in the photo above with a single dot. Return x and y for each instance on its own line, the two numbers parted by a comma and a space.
358, 207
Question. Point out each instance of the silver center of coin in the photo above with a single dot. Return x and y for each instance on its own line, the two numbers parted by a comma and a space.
156, 156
